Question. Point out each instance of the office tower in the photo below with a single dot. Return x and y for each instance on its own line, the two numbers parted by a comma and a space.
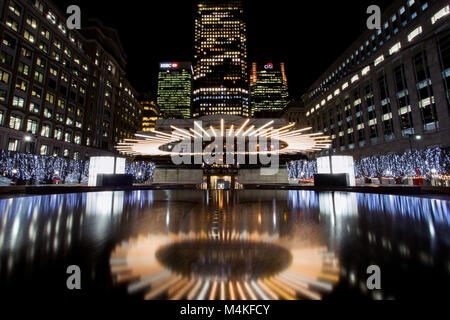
220, 72
62, 92
268, 88
175, 90
389, 92
150, 113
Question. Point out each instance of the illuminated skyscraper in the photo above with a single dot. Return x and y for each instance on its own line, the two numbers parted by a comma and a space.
220, 72
175, 90
150, 113
268, 88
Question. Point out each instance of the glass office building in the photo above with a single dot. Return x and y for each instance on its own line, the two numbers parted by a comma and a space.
150, 113
175, 90
268, 88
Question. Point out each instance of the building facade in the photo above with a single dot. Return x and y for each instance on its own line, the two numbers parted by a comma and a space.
175, 90
268, 88
295, 112
221, 83
150, 113
61, 91
389, 92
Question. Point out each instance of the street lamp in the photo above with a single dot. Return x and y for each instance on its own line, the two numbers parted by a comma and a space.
410, 137
29, 144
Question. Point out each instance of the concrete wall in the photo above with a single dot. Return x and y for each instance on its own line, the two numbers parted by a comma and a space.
253, 176
178, 176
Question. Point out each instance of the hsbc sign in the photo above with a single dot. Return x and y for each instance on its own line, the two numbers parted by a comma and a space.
168, 65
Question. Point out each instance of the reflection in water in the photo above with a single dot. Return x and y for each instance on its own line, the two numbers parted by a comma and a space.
225, 245
224, 259
234, 248
405, 236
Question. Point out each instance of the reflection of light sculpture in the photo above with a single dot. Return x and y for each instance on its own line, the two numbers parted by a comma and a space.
311, 273
224, 260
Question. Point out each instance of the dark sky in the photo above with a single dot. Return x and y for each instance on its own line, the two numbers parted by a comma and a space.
307, 35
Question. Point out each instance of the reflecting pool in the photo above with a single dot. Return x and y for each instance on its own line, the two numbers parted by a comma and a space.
205, 245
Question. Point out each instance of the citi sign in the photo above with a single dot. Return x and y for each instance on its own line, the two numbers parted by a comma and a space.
169, 65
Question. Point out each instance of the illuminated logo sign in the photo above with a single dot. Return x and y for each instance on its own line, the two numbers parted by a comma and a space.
168, 65
268, 66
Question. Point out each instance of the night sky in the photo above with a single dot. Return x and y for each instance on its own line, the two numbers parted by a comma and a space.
307, 35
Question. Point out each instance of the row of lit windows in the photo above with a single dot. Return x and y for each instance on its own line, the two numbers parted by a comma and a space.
44, 150
424, 5
393, 50
16, 122
16, 9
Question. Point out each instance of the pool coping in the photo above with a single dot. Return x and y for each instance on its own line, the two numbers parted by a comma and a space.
421, 191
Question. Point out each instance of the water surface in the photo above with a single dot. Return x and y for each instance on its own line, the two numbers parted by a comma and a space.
224, 245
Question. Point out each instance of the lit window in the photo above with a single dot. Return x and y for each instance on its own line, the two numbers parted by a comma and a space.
51, 17
34, 107
395, 48
32, 126
14, 7
32, 22
45, 131
440, 14
15, 122
30, 37
365, 70
18, 102
58, 134
379, 60
44, 150
415, 33
12, 24
13, 145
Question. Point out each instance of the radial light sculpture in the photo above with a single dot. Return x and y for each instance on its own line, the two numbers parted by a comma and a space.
290, 141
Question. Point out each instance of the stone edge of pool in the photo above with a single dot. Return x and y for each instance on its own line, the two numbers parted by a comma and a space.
424, 191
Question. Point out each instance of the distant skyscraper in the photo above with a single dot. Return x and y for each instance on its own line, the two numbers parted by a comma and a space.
268, 88
150, 113
220, 72
175, 90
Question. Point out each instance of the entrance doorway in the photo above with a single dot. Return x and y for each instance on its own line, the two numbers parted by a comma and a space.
221, 182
